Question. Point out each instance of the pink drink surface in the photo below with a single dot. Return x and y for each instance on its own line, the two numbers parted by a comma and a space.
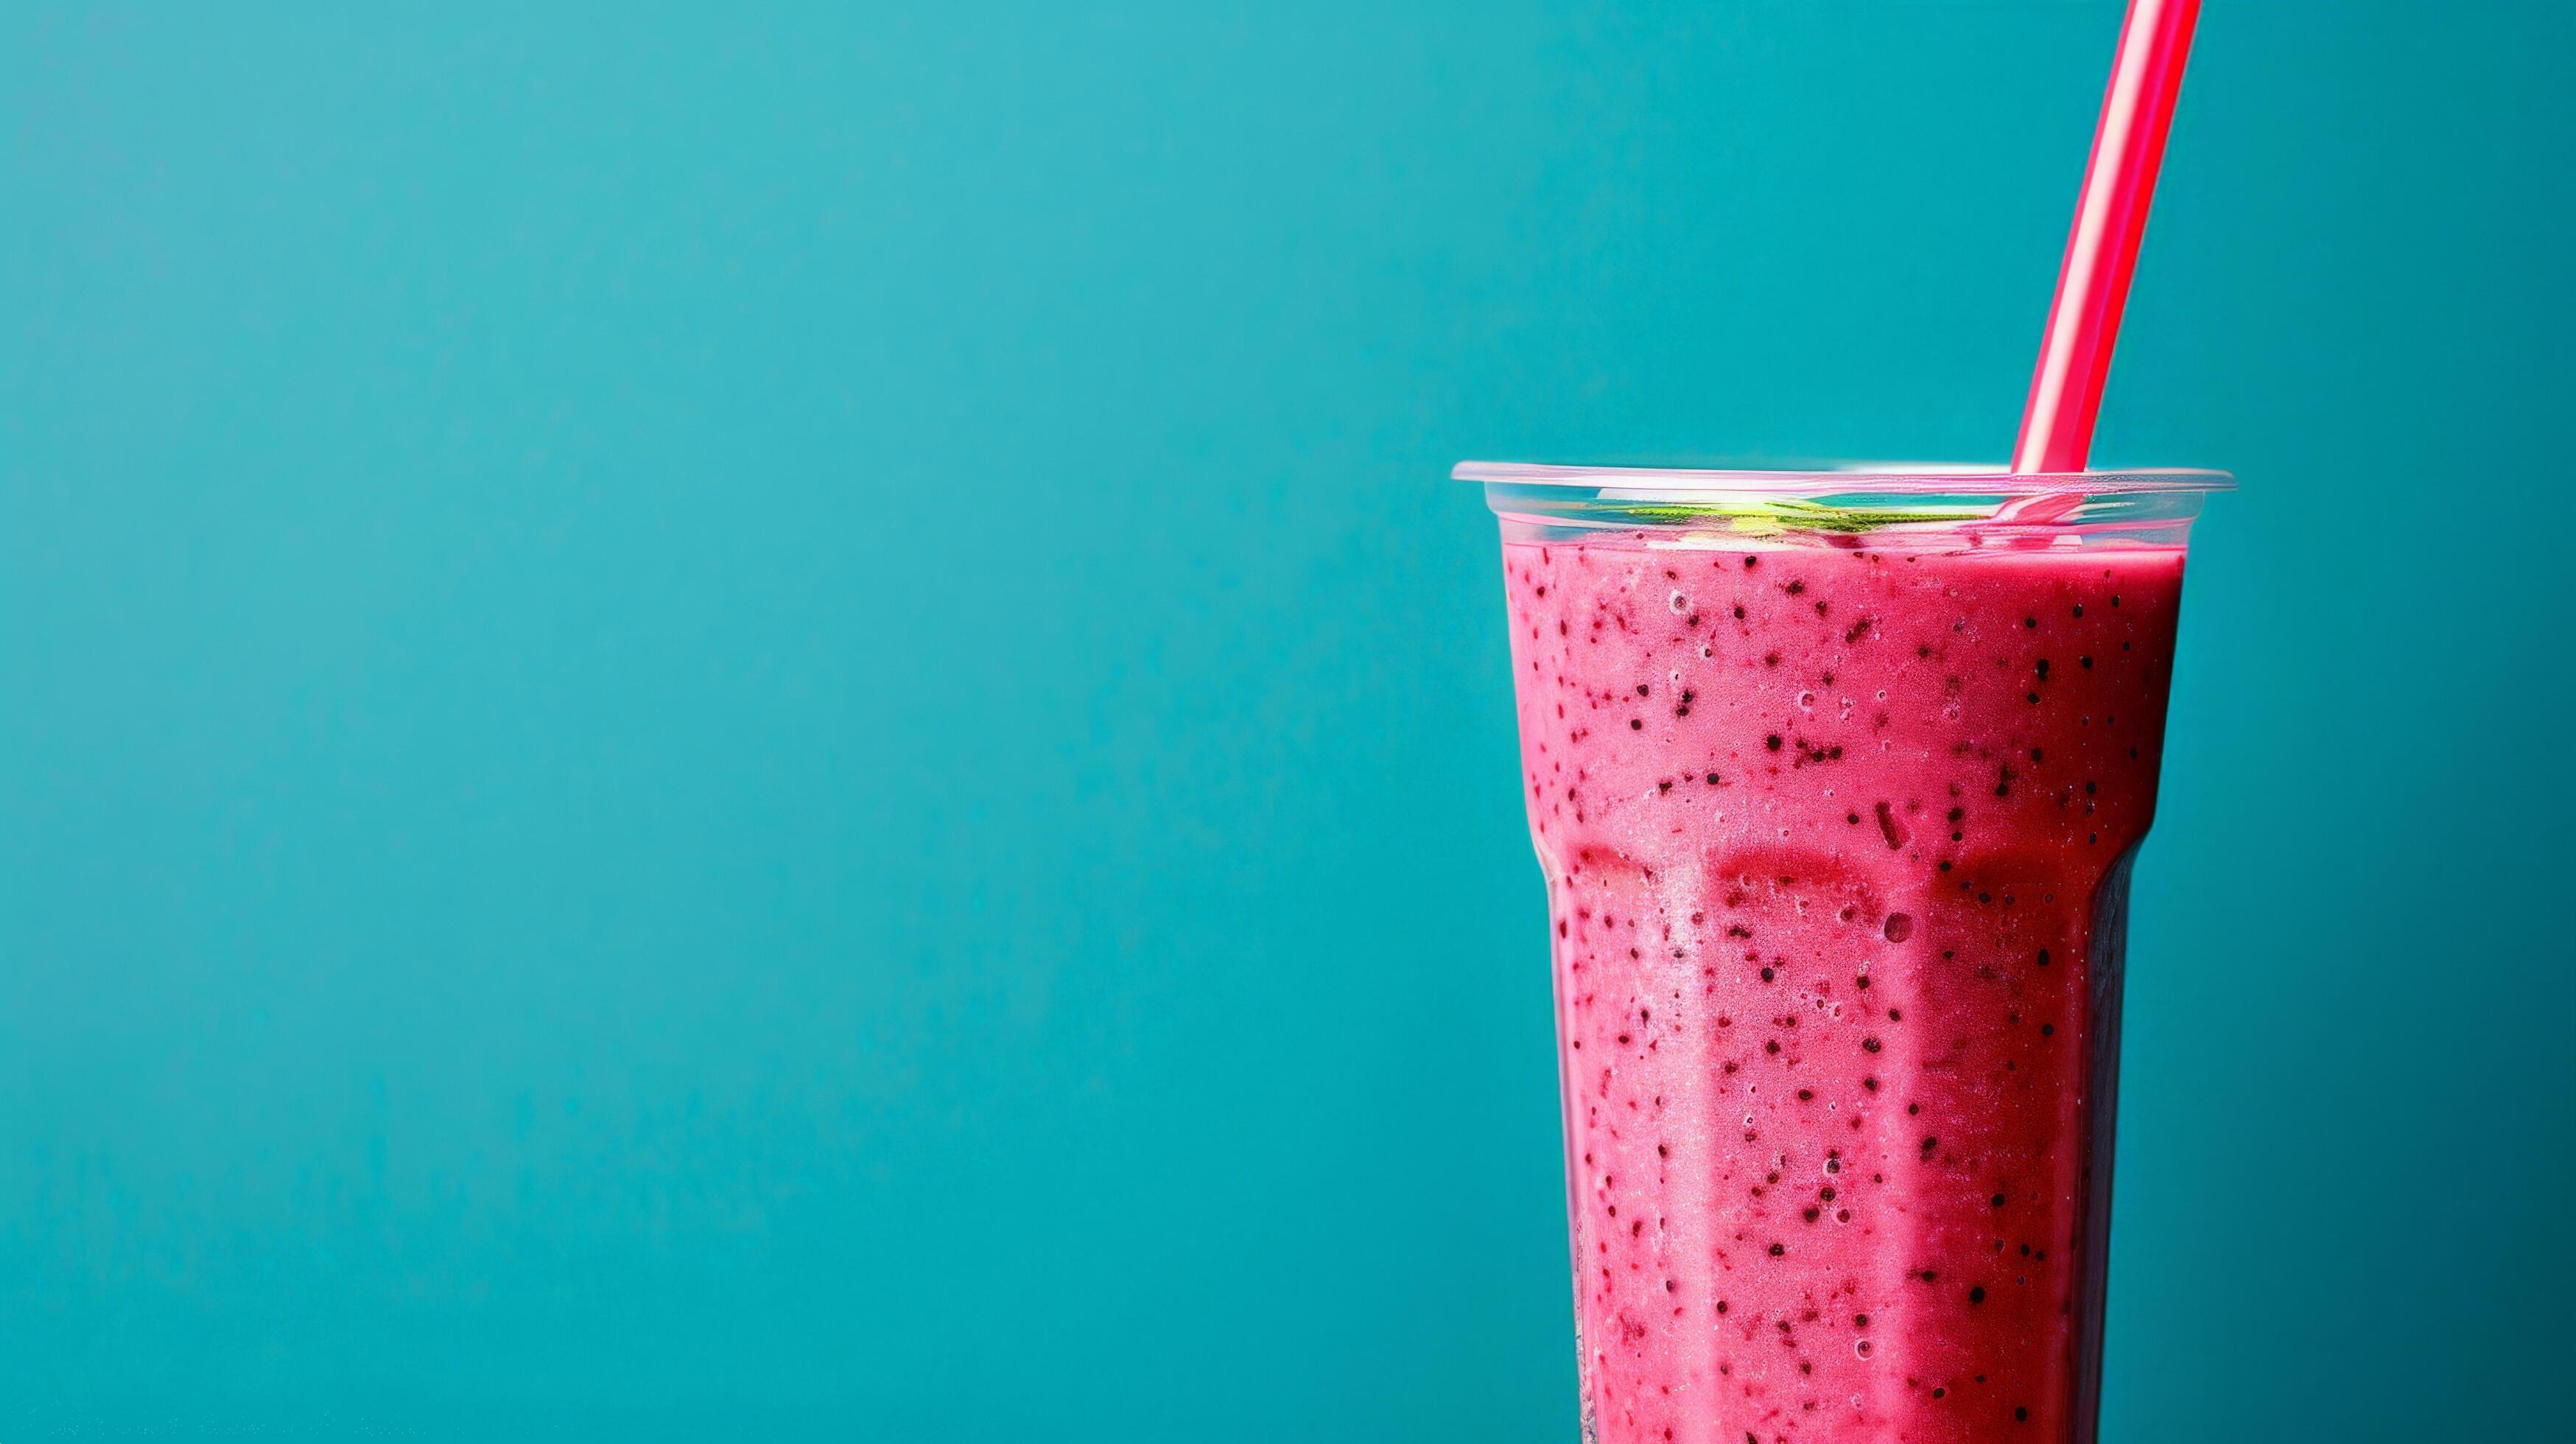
1837, 846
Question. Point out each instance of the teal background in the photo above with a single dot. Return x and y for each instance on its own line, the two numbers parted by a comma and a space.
775, 726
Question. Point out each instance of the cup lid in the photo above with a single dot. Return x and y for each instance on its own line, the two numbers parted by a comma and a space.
1842, 479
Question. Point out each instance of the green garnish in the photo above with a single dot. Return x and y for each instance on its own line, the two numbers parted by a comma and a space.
1774, 515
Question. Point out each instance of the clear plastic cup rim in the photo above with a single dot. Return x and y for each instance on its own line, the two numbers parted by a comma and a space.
1836, 479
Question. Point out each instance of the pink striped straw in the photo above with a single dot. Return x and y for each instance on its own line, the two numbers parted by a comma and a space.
2102, 251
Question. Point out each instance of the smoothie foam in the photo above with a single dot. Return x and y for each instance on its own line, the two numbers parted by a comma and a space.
1837, 843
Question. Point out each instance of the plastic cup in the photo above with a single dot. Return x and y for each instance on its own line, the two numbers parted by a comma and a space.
1837, 778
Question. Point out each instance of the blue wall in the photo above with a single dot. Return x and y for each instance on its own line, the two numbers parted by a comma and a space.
777, 726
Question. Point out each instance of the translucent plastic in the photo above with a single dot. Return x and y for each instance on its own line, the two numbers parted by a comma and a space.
1837, 778
1909, 508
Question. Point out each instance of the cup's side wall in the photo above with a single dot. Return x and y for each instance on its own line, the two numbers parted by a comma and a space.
2109, 965
1650, 813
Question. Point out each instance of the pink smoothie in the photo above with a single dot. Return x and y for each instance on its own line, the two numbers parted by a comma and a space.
1837, 843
